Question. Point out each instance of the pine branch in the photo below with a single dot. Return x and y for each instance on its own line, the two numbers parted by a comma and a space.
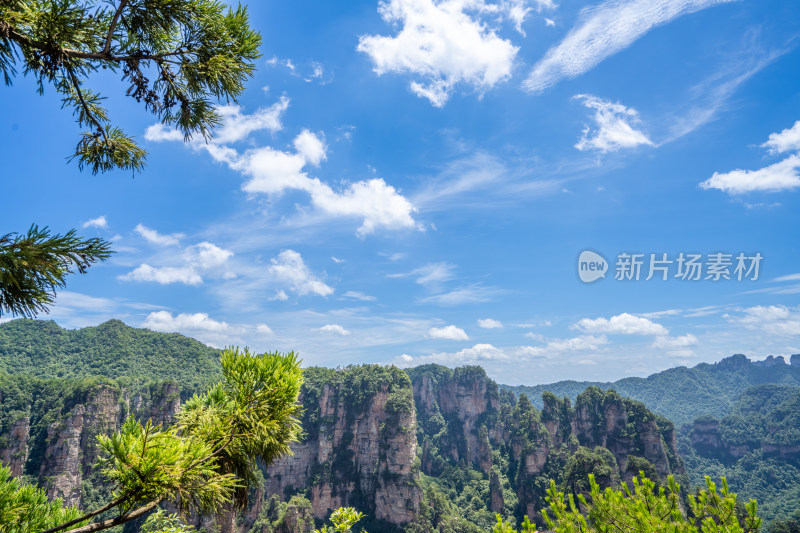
122, 519
92, 514
112, 26
34, 265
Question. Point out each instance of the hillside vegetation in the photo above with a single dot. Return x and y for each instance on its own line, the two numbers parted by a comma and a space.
682, 394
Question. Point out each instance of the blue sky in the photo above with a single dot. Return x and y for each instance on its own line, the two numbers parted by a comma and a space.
413, 181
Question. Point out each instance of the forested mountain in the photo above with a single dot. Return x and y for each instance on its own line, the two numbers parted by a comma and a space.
682, 394
756, 447
423, 450
42, 349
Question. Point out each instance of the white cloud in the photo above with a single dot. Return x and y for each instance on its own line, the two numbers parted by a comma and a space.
336, 329
280, 296
191, 322
310, 147
443, 45
603, 30
273, 172
786, 141
780, 176
535, 336
776, 320
337, 260
429, 274
449, 333
236, 126
154, 237
264, 329
197, 260
682, 341
99, 222
163, 275
576, 344
614, 126
359, 296
290, 268
489, 323
463, 295
478, 354
623, 324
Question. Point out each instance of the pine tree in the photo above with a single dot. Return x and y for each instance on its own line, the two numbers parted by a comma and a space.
176, 56
33, 265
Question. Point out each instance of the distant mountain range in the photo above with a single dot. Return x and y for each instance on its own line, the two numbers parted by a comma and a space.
684, 394
478, 448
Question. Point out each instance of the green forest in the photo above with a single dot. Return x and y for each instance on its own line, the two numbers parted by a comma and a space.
481, 451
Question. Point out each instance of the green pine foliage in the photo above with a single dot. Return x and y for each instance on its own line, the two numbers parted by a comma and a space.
176, 57
35, 264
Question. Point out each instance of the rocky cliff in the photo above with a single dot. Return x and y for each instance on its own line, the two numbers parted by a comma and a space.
53, 436
465, 421
360, 448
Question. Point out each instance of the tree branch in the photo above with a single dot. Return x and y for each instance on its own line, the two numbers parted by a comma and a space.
77, 86
99, 526
113, 25
87, 516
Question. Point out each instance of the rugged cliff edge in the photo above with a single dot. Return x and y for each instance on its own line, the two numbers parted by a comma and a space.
360, 448
466, 421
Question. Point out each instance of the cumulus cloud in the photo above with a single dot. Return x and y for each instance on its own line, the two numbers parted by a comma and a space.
154, 237
781, 176
290, 268
451, 333
614, 126
99, 222
478, 354
776, 320
489, 323
603, 30
273, 172
196, 261
624, 324
163, 275
443, 44
264, 329
336, 329
787, 140
682, 341
164, 321
310, 147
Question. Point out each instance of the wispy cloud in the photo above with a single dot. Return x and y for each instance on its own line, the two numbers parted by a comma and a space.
489, 323
99, 222
603, 30
154, 237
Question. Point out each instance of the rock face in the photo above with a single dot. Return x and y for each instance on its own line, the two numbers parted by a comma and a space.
361, 447
464, 421
63, 452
